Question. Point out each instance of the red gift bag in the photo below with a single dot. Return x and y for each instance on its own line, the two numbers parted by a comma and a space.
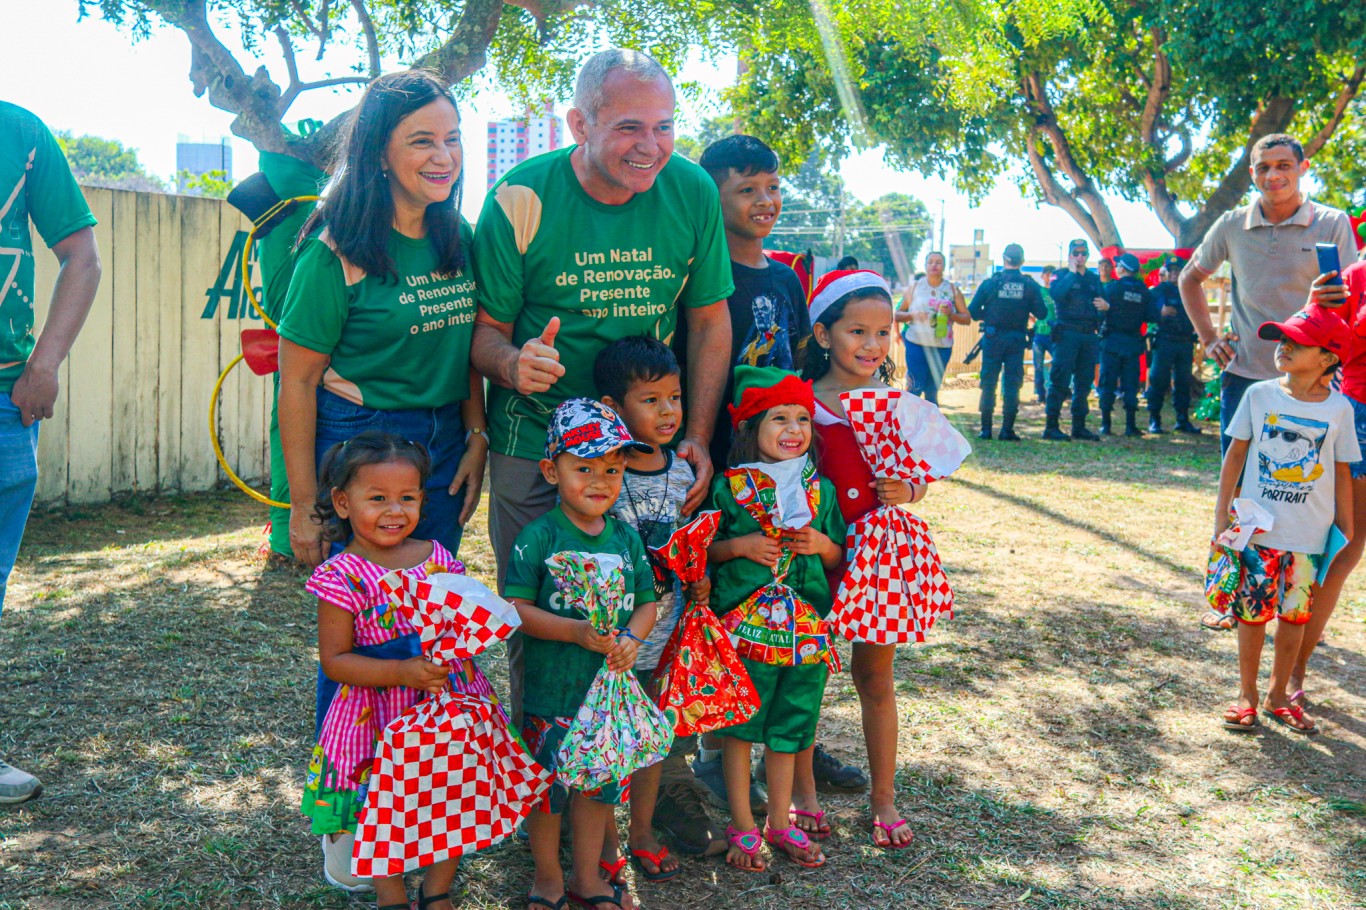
703, 686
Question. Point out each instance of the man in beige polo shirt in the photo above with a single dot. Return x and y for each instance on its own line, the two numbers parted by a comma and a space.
1270, 246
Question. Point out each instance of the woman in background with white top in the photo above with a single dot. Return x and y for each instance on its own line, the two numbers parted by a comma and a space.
928, 310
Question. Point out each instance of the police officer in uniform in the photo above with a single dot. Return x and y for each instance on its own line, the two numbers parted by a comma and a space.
1003, 303
1173, 353
1122, 342
1076, 346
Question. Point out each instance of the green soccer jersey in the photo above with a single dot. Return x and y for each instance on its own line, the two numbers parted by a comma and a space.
558, 673
393, 344
288, 177
1045, 326
546, 248
36, 184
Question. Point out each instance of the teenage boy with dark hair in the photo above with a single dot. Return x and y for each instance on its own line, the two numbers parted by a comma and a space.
770, 327
1121, 344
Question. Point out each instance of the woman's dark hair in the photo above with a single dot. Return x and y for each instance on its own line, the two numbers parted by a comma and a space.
358, 207
818, 358
343, 460
636, 358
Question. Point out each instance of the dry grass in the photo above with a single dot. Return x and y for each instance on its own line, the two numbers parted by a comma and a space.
1060, 745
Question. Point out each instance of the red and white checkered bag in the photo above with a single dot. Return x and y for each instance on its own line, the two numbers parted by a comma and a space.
903, 435
449, 779
895, 587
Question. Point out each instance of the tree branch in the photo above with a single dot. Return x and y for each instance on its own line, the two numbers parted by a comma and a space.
1102, 224
1351, 86
371, 41
214, 70
287, 48
1053, 193
464, 53
1160, 198
294, 91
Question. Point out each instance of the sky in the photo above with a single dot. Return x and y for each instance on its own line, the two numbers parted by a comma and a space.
91, 78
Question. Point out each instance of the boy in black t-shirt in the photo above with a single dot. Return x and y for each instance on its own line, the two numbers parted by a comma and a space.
768, 317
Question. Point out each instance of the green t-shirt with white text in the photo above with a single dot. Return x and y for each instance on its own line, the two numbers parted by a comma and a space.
558, 673
393, 345
545, 248
36, 184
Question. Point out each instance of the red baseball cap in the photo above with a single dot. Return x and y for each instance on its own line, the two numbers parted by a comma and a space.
1314, 326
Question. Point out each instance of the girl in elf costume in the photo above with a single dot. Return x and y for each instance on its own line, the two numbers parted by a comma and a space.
780, 532
852, 331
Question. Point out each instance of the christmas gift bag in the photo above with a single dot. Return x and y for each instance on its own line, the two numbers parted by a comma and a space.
702, 684
617, 730
1225, 570
449, 776
895, 587
775, 625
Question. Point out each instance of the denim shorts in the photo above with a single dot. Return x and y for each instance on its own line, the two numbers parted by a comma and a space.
441, 430
1359, 418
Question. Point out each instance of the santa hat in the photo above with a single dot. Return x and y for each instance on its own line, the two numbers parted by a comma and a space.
834, 285
759, 388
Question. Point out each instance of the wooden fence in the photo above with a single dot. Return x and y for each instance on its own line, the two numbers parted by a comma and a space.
132, 414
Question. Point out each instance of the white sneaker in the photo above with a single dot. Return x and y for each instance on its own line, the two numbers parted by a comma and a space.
17, 786
337, 865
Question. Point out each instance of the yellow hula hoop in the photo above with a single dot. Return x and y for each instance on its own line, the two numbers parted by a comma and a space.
218, 449
246, 253
218, 386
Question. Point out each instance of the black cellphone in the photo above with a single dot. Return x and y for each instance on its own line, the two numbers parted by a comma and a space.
1329, 261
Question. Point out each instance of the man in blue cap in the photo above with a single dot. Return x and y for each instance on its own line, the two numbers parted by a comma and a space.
1076, 346
1003, 303
1131, 305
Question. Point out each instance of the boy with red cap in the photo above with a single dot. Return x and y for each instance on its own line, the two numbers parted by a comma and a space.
1293, 444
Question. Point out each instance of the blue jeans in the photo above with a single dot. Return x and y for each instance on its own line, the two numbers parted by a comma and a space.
925, 368
18, 480
441, 430
1043, 347
1231, 391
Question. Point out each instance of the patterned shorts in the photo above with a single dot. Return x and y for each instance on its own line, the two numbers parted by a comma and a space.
543, 736
1276, 584
1359, 424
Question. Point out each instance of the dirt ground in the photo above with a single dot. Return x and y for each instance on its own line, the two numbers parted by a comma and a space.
1060, 744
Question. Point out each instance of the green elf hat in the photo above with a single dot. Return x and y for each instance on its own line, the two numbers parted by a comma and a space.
759, 388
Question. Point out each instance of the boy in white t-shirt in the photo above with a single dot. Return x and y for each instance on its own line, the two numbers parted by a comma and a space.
1293, 445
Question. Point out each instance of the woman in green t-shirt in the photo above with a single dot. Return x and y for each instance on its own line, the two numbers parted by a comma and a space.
375, 332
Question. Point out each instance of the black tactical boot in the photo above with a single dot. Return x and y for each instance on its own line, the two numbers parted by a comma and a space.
1008, 429
986, 426
1079, 430
1051, 431
1184, 425
1104, 424
1155, 423
1131, 424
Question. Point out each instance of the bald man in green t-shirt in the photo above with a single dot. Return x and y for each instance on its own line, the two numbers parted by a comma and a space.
614, 236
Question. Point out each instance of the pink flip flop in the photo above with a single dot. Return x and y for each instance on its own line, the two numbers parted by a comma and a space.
822, 829
750, 843
891, 843
791, 840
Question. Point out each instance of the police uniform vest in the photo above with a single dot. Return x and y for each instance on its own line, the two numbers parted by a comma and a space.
1128, 299
1007, 302
1073, 296
1176, 327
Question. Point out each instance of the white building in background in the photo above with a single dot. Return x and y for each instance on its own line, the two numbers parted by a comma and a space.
514, 141
195, 158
